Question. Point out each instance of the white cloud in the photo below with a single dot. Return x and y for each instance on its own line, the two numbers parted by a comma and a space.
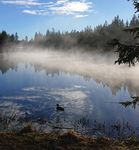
22, 2
78, 9
35, 12
80, 16
32, 12
72, 7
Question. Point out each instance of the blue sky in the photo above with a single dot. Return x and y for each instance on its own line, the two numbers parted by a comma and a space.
28, 16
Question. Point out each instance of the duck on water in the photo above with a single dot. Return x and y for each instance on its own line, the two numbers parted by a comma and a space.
59, 108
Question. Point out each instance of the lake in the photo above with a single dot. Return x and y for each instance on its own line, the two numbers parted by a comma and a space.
89, 89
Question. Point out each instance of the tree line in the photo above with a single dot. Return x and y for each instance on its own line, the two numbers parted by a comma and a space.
90, 39
6, 39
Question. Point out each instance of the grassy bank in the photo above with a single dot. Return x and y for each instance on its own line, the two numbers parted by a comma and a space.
28, 139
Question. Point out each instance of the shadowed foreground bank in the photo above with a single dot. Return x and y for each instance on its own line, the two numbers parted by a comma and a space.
27, 139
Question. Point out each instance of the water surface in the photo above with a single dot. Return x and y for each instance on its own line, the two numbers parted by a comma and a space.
33, 85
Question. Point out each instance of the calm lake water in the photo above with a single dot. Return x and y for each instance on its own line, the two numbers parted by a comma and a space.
33, 87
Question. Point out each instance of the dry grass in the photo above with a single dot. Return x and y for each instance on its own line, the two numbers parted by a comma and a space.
31, 140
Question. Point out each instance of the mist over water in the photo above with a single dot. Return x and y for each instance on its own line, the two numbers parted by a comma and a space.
99, 67
85, 84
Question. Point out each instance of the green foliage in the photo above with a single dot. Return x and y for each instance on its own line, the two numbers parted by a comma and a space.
129, 53
89, 39
7, 39
136, 4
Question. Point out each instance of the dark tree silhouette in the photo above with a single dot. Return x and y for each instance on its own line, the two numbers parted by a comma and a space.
129, 53
88, 39
7, 40
16, 37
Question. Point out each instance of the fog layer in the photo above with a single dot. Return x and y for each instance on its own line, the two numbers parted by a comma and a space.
99, 67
